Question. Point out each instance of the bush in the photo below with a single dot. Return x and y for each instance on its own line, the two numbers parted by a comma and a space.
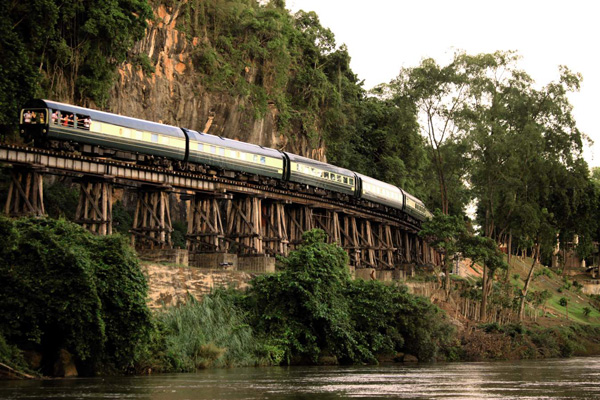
64, 288
313, 309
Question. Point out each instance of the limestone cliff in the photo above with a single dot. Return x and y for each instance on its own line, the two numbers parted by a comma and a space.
172, 91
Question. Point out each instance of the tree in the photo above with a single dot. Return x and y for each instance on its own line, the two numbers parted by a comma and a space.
443, 232
438, 92
484, 250
304, 308
63, 288
67, 50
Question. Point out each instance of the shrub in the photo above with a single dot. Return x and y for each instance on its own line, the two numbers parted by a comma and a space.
64, 288
313, 309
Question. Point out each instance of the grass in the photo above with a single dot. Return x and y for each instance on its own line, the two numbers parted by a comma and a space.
208, 333
555, 284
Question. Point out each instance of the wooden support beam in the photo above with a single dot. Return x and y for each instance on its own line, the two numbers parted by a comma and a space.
152, 226
274, 228
350, 241
94, 210
205, 232
299, 220
244, 225
25, 193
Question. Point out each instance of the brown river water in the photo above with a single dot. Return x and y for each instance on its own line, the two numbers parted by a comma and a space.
575, 378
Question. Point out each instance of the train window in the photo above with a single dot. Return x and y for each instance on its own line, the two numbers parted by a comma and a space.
37, 116
346, 180
351, 181
263, 160
200, 147
55, 116
339, 178
221, 151
154, 138
333, 177
213, 149
326, 175
255, 158
139, 135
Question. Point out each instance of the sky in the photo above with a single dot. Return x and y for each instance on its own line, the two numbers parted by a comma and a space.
383, 36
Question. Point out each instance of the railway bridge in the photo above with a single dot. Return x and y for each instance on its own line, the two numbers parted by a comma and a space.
230, 224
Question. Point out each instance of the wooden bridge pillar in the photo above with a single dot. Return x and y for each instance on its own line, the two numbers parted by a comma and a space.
274, 228
244, 223
350, 240
152, 219
300, 220
205, 233
94, 210
25, 193
385, 246
367, 244
329, 221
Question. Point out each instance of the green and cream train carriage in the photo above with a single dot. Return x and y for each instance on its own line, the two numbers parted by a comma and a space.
103, 133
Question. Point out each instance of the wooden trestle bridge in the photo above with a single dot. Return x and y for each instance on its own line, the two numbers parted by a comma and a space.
224, 216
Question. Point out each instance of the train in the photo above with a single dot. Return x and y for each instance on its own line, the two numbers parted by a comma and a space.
98, 133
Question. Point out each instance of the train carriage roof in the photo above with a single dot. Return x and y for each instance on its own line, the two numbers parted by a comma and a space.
233, 144
379, 183
413, 198
319, 164
101, 116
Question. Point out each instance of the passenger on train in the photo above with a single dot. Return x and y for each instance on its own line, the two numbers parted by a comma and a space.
27, 117
68, 120
55, 117
87, 122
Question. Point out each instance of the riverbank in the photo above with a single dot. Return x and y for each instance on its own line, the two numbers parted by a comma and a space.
78, 304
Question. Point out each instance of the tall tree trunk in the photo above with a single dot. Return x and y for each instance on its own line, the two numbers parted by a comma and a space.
484, 294
447, 277
528, 281
508, 256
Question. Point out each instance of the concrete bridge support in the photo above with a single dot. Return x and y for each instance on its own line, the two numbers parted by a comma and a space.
25, 193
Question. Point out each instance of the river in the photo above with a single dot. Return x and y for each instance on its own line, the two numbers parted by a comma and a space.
575, 378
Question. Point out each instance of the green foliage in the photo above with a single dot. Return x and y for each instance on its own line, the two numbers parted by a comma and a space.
563, 301
60, 200
303, 308
388, 319
64, 49
213, 332
122, 218
178, 234
312, 309
64, 288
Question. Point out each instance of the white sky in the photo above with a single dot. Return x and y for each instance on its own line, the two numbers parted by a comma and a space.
384, 35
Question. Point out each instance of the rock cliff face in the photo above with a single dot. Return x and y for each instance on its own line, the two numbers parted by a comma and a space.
173, 93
